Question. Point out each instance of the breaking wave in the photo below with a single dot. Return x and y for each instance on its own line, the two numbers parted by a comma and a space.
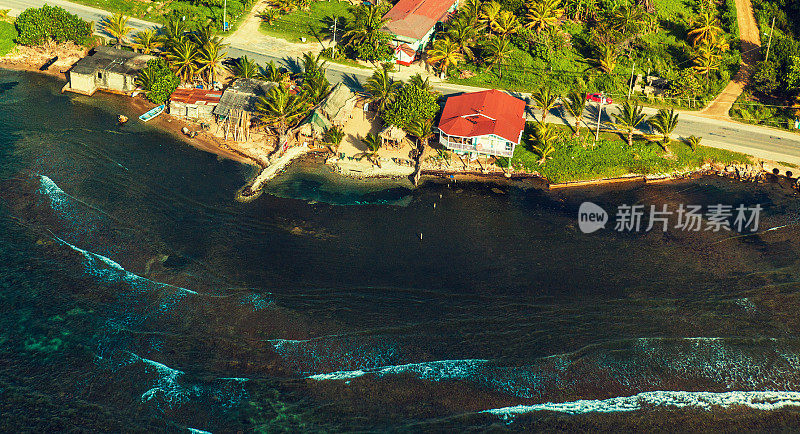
758, 400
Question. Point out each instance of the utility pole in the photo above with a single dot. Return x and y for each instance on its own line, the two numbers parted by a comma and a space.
225, 16
771, 30
335, 19
599, 113
630, 89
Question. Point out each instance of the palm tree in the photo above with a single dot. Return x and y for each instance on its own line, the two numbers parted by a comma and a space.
382, 88
183, 60
273, 73
471, 11
174, 33
117, 26
664, 122
281, 110
506, 24
545, 137
498, 50
575, 103
373, 142
146, 78
315, 88
489, 13
629, 119
422, 129
708, 58
693, 142
707, 28
445, 53
146, 41
464, 34
333, 138
203, 36
366, 25
245, 68
421, 83
627, 20
546, 100
606, 59
543, 14
210, 57
313, 66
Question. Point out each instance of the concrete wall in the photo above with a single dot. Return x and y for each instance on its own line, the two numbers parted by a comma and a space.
82, 82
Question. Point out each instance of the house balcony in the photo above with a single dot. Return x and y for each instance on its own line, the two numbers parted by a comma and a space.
466, 145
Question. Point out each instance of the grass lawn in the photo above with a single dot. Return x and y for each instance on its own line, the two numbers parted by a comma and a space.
612, 157
307, 24
130, 8
7, 35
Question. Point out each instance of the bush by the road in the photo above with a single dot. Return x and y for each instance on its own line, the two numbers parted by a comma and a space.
37, 26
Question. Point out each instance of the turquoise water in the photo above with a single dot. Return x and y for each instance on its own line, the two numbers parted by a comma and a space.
138, 295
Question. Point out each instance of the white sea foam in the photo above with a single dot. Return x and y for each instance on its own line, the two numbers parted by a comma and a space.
433, 371
759, 400
198, 431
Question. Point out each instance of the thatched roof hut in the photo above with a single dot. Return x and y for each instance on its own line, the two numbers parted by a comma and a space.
338, 105
392, 136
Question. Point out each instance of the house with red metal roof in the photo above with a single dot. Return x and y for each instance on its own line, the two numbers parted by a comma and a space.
194, 103
489, 122
412, 23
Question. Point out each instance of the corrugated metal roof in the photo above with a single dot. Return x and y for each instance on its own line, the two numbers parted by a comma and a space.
415, 18
196, 96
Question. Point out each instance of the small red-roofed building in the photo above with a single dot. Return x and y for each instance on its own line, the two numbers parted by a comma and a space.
489, 122
412, 23
194, 103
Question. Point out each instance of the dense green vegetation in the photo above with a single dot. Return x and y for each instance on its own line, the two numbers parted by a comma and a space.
579, 158
775, 86
8, 33
37, 26
158, 81
591, 45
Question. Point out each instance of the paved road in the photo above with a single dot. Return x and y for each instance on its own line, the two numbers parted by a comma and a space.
85, 12
761, 142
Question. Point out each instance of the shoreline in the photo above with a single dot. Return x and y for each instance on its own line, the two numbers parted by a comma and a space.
206, 142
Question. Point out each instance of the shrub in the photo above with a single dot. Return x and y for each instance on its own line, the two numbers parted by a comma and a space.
412, 104
158, 81
51, 23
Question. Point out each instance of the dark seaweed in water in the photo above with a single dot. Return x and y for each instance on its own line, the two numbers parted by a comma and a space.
138, 294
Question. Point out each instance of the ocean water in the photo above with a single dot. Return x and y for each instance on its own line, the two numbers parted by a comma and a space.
137, 295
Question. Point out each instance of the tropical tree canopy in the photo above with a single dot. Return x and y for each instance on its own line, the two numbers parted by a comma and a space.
117, 27
158, 81
628, 119
280, 109
411, 104
37, 26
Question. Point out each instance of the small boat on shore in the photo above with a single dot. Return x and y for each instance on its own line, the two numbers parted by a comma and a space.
122, 119
153, 112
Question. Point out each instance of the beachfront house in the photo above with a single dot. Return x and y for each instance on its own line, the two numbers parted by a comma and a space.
194, 103
483, 123
336, 109
237, 105
412, 23
106, 68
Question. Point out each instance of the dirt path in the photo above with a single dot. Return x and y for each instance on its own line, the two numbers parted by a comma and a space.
249, 37
750, 43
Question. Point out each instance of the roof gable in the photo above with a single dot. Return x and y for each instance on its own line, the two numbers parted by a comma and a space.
482, 113
415, 18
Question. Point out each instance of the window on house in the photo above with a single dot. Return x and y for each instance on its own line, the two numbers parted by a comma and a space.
99, 75
509, 145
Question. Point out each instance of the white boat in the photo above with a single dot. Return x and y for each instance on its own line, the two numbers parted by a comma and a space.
153, 112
